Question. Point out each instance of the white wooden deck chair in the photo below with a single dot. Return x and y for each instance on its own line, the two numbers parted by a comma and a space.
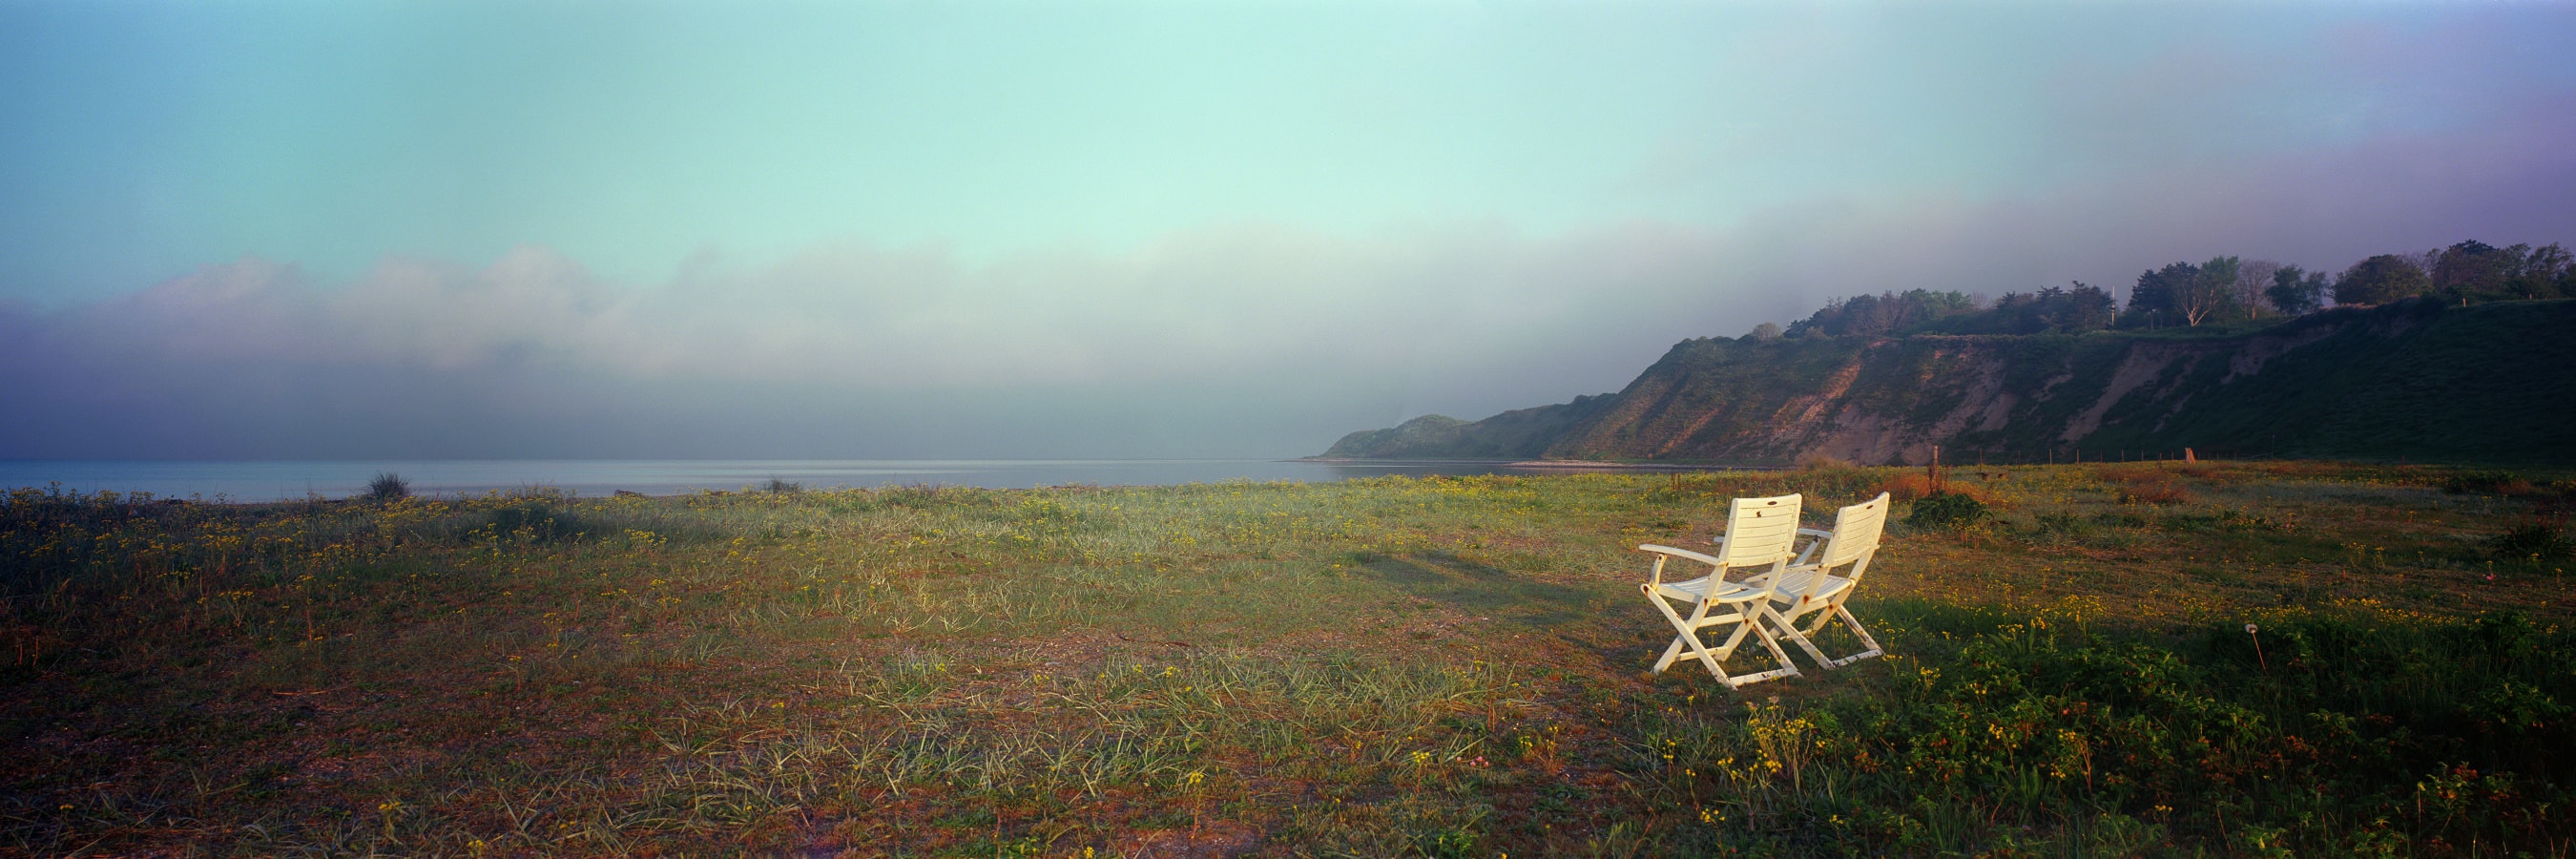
1759, 533
1810, 586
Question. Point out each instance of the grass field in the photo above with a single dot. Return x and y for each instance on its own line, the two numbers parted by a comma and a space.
1438, 667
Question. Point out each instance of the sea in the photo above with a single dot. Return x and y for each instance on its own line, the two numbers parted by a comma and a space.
251, 482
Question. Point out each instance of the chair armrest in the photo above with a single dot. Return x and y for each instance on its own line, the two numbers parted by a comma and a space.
1678, 553
1821, 538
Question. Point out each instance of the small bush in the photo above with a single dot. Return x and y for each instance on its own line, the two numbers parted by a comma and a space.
2162, 492
1821, 462
781, 487
1911, 485
925, 496
1946, 510
537, 521
2067, 522
2486, 483
1446, 843
2538, 540
2151, 485
1825, 487
388, 486
1907, 486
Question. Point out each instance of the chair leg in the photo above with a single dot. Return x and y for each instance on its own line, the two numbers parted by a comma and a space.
1854, 625
1788, 626
1713, 657
1689, 640
1673, 653
1747, 621
1684, 630
1834, 612
1787, 668
1753, 623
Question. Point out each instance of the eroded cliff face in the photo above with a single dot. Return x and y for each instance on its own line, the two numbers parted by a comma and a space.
2494, 381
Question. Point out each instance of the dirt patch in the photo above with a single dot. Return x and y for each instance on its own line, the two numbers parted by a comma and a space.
1213, 840
2143, 364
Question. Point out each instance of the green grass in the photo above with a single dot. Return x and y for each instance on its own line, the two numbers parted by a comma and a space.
1435, 667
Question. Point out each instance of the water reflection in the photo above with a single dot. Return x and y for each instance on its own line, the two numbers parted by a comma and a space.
271, 481
1381, 468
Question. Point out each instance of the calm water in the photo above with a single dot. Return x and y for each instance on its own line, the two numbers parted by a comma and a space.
271, 481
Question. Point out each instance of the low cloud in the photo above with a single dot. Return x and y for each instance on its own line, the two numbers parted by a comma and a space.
1250, 340
1240, 340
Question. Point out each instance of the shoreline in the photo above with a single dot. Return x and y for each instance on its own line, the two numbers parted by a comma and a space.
1550, 464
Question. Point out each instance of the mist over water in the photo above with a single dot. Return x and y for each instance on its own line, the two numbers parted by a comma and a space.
281, 481
1145, 231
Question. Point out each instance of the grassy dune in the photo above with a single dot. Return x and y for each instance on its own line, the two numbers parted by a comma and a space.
1440, 667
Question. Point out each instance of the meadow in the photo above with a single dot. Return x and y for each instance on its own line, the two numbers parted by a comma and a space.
2144, 659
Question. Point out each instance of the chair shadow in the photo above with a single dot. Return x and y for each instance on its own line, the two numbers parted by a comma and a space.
1610, 625
1595, 622
1486, 590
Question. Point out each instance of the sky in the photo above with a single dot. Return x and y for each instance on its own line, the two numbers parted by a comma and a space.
562, 229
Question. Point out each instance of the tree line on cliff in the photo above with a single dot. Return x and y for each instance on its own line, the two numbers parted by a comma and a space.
2223, 289
2229, 354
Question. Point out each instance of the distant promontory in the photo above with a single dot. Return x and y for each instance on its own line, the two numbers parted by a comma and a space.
2475, 365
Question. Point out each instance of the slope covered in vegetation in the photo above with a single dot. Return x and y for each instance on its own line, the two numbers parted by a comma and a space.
2418, 378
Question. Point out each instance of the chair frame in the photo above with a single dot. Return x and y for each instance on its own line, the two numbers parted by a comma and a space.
1759, 533
1853, 542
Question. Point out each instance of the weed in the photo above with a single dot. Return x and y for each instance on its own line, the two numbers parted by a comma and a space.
536, 521
1450, 843
388, 486
2487, 482
2536, 540
1907, 486
2157, 492
1821, 462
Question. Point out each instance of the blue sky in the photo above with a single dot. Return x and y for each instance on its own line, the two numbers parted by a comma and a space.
1115, 208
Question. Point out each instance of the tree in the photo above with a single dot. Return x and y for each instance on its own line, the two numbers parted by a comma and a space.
2381, 279
2152, 302
1764, 333
2210, 293
2547, 272
2475, 269
1884, 313
2083, 308
2252, 279
2077, 310
2471, 263
2296, 292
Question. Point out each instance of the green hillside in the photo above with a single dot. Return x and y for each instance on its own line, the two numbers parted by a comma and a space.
2418, 379
1516, 434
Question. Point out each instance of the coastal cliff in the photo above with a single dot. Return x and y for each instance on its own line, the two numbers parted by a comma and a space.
2486, 382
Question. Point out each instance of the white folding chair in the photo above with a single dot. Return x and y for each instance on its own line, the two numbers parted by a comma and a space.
1759, 533
1810, 587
